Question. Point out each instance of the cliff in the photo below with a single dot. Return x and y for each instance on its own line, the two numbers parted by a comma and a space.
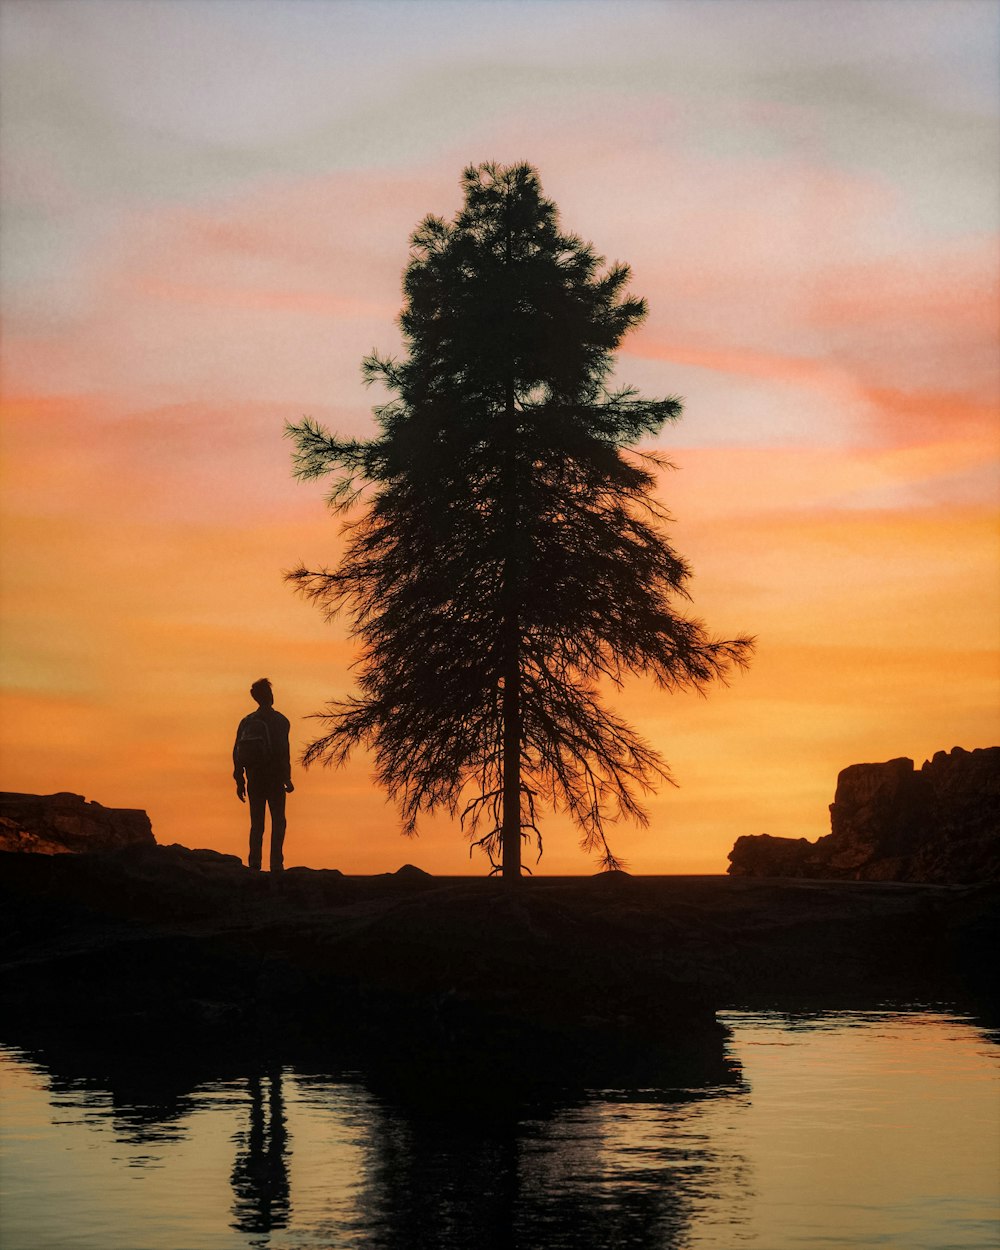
60, 824
892, 822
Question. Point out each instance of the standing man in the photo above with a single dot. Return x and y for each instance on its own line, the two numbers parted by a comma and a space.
261, 765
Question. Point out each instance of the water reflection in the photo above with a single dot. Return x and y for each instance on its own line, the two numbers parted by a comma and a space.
260, 1173
419, 1151
875, 1128
147, 1102
634, 1173
470, 1153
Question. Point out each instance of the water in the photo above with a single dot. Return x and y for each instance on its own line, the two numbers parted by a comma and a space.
833, 1130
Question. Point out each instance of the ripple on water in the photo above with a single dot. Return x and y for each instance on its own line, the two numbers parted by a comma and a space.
838, 1129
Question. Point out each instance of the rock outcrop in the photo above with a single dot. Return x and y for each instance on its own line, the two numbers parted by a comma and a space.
60, 824
892, 822
140, 945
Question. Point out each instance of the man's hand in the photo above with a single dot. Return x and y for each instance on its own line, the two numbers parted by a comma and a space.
241, 791
289, 787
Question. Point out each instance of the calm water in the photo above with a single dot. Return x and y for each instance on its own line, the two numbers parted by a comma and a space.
834, 1130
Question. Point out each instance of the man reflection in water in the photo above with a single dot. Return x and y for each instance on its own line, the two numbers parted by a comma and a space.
260, 1173
261, 765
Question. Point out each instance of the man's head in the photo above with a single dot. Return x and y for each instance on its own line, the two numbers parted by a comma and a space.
261, 692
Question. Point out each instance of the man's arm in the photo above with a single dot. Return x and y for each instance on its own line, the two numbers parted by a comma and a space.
238, 774
285, 755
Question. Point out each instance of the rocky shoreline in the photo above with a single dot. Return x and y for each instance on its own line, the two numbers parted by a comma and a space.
893, 822
117, 942
150, 943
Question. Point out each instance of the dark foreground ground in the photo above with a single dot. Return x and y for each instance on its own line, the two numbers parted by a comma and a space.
470, 1013
163, 941
147, 971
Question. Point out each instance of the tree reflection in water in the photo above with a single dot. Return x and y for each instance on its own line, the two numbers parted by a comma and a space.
541, 1183
457, 1159
426, 1149
872, 1127
260, 1174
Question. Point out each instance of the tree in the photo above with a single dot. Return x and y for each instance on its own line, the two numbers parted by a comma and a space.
505, 551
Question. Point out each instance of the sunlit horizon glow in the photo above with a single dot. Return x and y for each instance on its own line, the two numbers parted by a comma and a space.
206, 210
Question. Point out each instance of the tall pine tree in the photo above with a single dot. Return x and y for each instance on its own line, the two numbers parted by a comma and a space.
506, 553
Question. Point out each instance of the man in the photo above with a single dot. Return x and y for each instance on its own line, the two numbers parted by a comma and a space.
261, 765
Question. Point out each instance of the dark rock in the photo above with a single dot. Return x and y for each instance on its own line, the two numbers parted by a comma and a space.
191, 859
891, 822
59, 824
761, 855
410, 871
160, 944
140, 941
880, 811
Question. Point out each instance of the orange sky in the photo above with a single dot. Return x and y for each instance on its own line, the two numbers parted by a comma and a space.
822, 280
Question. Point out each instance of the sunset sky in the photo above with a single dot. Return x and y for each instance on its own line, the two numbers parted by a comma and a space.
206, 208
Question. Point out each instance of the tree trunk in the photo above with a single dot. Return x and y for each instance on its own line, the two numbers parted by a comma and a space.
511, 831
510, 837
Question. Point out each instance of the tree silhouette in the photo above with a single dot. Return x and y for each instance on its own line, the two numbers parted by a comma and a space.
506, 554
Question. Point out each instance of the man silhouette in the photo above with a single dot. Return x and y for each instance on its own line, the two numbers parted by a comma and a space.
261, 765
260, 1173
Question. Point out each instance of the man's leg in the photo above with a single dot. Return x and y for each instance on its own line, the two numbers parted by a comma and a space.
276, 802
257, 798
